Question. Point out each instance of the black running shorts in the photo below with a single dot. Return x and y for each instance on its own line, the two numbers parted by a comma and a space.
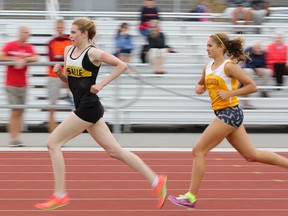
91, 113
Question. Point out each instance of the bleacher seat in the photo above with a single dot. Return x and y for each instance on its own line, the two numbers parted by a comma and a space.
143, 97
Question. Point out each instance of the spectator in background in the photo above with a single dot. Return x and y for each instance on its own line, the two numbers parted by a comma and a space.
124, 43
148, 12
235, 3
239, 10
157, 47
260, 9
247, 12
276, 57
203, 7
20, 52
56, 47
256, 67
241, 13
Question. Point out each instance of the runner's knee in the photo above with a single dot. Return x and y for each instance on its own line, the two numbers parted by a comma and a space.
251, 157
115, 153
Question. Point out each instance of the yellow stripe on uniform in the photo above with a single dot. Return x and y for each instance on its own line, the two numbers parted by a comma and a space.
78, 72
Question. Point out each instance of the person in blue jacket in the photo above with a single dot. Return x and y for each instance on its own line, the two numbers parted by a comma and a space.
124, 43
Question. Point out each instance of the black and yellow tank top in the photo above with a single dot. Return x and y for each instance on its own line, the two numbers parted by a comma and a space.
82, 74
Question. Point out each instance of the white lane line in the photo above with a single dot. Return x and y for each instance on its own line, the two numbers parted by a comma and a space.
139, 181
152, 199
143, 189
89, 149
162, 210
132, 172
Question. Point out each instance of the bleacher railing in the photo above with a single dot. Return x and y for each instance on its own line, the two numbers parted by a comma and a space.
124, 15
277, 13
266, 119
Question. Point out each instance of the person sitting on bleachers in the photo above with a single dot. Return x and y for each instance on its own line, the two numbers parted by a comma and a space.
260, 9
202, 6
246, 12
239, 11
255, 67
148, 12
123, 43
157, 47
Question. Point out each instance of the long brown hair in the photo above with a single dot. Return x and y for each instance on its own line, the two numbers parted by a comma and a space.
233, 48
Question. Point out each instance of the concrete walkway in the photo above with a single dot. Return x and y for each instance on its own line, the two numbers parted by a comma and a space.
157, 141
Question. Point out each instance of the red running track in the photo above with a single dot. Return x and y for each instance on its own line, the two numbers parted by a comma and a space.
100, 185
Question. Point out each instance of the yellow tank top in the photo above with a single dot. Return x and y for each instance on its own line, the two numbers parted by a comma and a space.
218, 80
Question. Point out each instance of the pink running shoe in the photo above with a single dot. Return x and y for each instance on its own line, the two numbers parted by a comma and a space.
161, 191
182, 200
53, 203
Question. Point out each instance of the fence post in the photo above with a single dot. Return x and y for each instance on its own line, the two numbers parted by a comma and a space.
52, 6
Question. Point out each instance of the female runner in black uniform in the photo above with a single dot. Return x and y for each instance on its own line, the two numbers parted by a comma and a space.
82, 63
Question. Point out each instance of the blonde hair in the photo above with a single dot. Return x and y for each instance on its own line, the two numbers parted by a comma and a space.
59, 21
86, 24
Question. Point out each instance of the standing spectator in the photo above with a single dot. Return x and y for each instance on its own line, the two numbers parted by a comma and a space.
20, 53
157, 47
56, 47
148, 12
277, 57
124, 43
256, 66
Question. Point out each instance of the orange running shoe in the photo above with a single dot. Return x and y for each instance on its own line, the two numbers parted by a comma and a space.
53, 203
161, 191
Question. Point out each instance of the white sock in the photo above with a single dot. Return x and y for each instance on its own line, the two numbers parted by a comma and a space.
59, 195
155, 182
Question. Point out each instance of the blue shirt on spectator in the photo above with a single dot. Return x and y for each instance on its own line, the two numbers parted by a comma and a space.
257, 60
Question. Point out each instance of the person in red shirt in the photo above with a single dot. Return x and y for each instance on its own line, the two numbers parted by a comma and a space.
148, 12
20, 53
56, 47
276, 57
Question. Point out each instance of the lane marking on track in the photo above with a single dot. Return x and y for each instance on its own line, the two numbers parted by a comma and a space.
162, 210
89, 149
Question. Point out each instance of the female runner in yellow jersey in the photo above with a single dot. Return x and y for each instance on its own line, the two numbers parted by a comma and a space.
220, 77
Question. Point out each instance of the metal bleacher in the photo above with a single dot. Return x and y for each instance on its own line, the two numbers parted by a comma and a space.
139, 97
